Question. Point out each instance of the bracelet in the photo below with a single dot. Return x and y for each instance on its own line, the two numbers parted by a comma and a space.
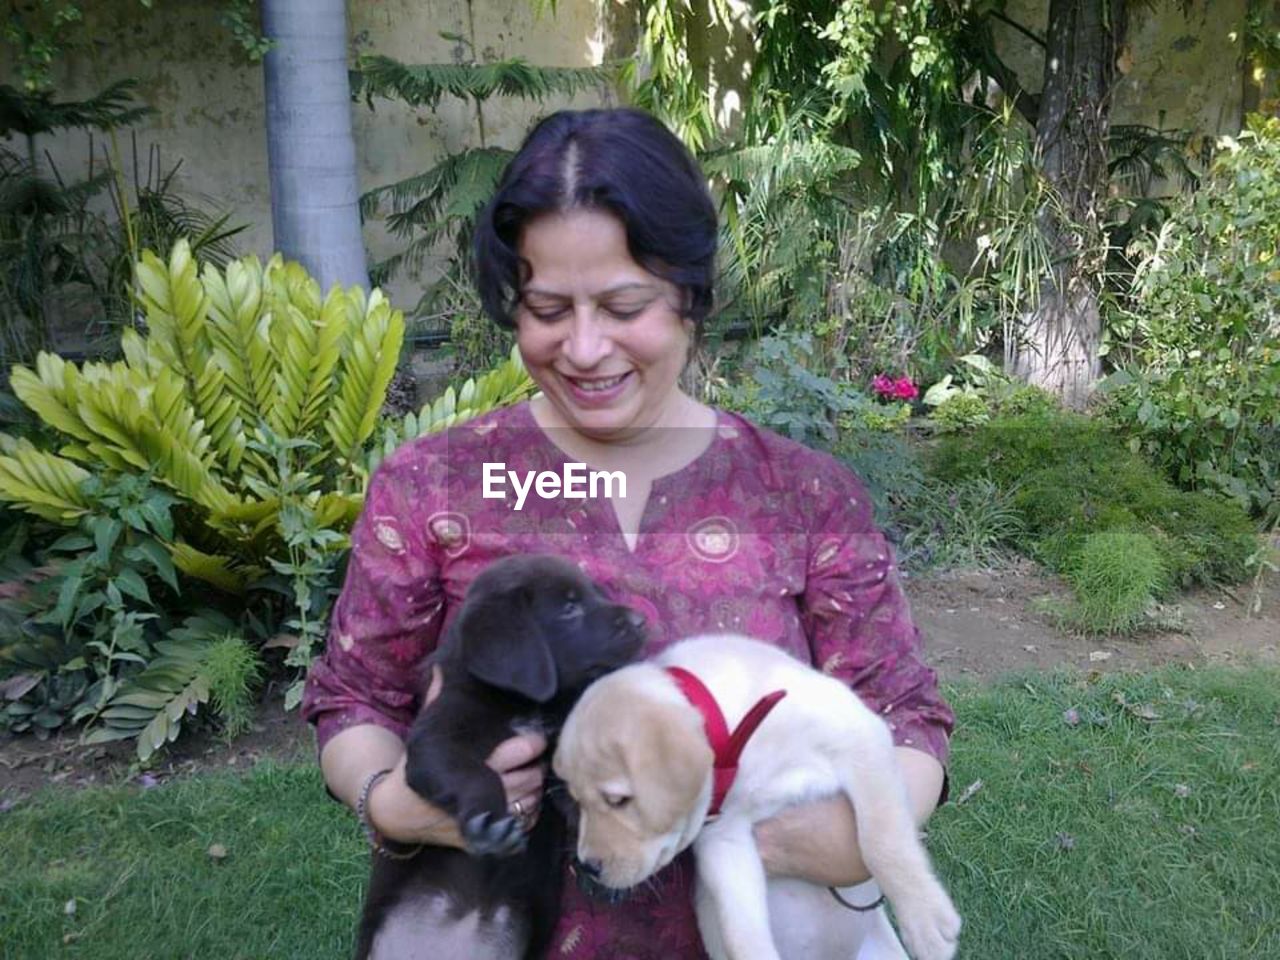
375, 839
875, 904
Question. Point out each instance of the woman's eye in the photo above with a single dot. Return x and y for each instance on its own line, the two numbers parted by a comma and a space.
546, 314
544, 309
616, 801
625, 311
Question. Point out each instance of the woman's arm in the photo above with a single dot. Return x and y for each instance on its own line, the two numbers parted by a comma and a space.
818, 842
861, 632
398, 813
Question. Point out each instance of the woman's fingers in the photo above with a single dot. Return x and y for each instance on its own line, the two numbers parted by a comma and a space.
518, 751
524, 782
437, 682
518, 761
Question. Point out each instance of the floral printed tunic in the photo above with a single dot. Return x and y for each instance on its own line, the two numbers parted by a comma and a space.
758, 535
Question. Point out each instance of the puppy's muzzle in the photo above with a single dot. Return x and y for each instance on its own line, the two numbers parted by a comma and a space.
633, 619
587, 875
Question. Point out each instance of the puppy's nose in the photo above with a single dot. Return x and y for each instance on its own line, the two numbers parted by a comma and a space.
591, 868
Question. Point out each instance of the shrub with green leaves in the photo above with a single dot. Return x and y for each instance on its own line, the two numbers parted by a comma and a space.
1117, 576
1025, 399
1073, 477
783, 391
101, 635
231, 359
252, 410
228, 356
960, 411
1201, 396
971, 523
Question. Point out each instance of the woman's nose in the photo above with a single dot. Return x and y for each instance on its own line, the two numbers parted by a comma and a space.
588, 343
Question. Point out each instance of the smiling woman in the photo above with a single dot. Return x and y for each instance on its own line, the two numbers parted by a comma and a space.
598, 248
602, 337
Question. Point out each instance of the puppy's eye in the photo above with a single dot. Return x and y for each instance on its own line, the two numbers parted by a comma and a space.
616, 800
571, 610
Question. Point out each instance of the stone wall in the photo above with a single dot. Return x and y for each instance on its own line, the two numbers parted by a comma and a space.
210, 105
1186, 72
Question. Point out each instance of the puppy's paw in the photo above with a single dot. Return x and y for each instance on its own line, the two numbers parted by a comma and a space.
929, 925
487, 836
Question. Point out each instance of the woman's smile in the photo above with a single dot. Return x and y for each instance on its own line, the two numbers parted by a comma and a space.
600, 334
592, 391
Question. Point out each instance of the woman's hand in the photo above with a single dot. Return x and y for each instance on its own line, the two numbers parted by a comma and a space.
399, 813
800, 841
818, 841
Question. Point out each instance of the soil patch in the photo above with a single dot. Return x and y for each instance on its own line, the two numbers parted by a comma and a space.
982, 623
28, 764
976, 623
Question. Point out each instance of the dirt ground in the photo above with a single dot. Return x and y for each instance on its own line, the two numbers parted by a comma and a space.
977, 624
984, 623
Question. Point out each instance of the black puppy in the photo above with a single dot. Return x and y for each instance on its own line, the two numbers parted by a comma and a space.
533, 633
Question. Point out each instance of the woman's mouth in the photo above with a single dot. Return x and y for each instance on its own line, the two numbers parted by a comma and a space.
593, 391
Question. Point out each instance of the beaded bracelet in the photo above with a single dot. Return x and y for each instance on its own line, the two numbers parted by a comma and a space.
375, 839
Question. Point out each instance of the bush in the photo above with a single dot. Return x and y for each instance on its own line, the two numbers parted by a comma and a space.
232, 445
1201, 396
960, 412
972, 523
1071, 477
101, 634
1027, 399
1117, 577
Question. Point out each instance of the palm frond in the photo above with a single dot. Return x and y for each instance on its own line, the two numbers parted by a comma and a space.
41, 483
29, 114
425, 84
456, 187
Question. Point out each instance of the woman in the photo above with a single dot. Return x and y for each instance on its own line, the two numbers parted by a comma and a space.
598, 249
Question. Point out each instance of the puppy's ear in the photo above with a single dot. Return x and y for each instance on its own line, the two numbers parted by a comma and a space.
666, 748
504, 646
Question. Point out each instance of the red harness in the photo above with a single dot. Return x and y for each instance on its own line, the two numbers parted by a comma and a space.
726, 746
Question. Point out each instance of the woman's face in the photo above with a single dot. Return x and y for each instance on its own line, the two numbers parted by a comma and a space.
600, 335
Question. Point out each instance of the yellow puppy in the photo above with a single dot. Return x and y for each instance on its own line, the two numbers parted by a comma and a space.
636, 758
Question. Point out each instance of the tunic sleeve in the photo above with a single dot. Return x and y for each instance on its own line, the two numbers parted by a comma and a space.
388, 615
858, 620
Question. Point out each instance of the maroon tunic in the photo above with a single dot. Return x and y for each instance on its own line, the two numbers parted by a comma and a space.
759, 535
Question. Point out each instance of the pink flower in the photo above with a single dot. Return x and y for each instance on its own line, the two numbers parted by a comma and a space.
888, 388
905, 389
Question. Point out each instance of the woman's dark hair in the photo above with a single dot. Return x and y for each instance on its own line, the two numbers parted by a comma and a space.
622, 161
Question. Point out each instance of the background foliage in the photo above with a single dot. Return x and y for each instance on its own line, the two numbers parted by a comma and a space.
1200, 393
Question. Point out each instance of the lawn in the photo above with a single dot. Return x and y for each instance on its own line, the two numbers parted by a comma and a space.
1133, 816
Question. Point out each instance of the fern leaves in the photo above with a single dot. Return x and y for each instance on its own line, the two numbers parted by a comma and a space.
152, 705
41, 483
504, 385
425, 84
368, 365
306, 348
229, 354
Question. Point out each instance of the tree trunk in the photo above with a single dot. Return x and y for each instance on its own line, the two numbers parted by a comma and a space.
315, 212
1058, 344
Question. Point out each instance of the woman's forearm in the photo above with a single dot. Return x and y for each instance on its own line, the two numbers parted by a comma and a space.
818, 841
354, 755
395, 811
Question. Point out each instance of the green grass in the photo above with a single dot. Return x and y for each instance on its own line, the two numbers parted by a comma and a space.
1148, 829
137, 866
